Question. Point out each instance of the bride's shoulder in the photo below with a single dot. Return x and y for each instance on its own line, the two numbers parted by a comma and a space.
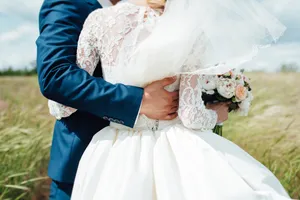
120, 14
94, 15
117, 11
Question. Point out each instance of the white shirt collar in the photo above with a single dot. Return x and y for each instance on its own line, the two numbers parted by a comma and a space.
105, 3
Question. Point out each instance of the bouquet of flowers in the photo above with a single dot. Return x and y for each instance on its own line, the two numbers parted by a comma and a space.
233, 87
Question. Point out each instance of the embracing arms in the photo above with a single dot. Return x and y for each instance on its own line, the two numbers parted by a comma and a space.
63, 81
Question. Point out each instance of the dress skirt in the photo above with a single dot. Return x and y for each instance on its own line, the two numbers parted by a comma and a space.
173, 163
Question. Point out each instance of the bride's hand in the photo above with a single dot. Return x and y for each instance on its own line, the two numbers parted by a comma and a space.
221, 109
158, 103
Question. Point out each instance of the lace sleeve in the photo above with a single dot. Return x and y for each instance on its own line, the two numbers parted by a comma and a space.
89, 43
192, 110
87, 59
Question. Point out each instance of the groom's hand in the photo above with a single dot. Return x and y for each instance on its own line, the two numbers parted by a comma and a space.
158, 103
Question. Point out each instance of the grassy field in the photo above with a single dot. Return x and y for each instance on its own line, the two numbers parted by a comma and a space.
270, 133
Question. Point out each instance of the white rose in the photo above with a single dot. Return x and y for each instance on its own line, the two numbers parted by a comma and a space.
226, 87
208, 82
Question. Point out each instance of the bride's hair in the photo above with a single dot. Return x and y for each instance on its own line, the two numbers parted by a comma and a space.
157, 4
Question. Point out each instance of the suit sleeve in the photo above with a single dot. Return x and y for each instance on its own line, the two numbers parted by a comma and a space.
61, 80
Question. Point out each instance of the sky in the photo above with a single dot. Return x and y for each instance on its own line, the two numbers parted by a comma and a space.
19, 31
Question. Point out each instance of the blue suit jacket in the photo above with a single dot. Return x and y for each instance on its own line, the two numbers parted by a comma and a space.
61, 80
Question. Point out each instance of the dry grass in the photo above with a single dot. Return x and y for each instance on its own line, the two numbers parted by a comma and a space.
270, 133
25, 139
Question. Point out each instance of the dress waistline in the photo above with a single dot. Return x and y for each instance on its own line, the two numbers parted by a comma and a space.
149, 124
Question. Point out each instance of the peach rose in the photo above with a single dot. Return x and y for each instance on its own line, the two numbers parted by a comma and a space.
241, 92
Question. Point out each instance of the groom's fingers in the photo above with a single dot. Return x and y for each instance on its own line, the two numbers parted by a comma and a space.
174, 95
168, 81
174, 109
171, 116
175, 103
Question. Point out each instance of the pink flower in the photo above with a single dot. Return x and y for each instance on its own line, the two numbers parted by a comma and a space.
241, 92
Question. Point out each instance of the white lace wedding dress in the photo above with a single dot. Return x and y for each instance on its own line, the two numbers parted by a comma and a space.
180, 159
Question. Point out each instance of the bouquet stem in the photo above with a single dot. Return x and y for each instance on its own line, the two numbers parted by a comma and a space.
218, 129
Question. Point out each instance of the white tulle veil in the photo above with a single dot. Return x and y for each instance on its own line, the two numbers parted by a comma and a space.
222, 33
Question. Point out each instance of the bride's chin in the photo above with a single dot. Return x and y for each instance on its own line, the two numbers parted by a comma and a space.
139, 2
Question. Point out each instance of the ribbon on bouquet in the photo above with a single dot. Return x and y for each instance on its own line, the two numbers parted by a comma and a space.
218, 129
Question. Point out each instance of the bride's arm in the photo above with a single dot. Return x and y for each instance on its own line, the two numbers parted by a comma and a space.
192, 110
95, 94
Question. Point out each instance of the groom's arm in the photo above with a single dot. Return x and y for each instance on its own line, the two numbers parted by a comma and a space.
63, 81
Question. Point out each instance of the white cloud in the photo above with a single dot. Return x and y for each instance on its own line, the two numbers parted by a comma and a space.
26, 10
17, 47
271, 59
19, 30
18, 33
282, 7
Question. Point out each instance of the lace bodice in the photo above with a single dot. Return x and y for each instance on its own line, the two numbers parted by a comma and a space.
101, 39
